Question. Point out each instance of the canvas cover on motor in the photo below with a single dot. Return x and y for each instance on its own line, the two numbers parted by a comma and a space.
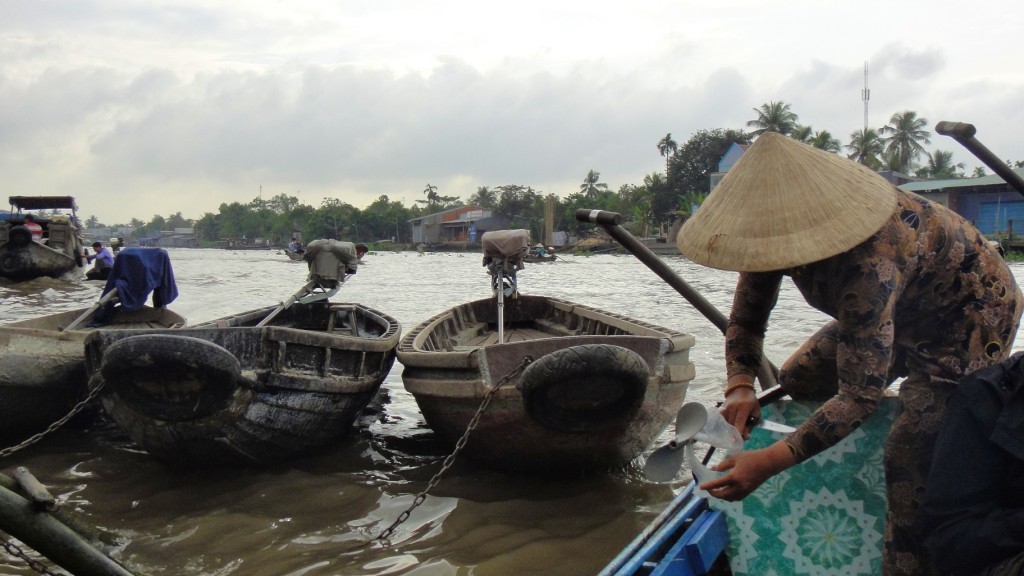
506, 244
330, 260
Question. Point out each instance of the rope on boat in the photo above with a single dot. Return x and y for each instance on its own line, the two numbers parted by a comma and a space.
459, 445
39, 436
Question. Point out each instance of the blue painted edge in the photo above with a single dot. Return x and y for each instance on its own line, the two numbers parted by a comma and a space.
659, 534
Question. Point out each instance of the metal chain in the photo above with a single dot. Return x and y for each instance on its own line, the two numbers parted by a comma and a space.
39, 436
459, 445
34, 564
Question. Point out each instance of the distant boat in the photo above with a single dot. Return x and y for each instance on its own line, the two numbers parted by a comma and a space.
293, 255
59, 252
569, 387
257, 387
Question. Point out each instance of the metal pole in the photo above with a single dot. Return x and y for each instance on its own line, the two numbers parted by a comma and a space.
53, 539
610, 222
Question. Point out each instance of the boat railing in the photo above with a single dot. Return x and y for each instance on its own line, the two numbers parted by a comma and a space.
687, 537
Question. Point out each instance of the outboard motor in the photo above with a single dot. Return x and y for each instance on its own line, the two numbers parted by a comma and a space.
330, 262
504, 251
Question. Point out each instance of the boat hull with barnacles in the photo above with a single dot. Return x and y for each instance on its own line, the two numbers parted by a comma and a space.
567, 387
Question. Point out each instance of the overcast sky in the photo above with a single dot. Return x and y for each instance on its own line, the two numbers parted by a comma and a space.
142, 108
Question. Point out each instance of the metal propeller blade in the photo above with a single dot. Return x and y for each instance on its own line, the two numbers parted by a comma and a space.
664, 463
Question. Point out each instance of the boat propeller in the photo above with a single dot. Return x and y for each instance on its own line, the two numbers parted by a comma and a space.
664, 463
695, 424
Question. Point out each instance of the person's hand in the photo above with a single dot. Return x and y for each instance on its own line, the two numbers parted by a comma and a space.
748, 470
742, 410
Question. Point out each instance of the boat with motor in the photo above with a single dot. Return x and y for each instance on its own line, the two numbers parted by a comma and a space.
42, 359
543, 383
58, 251
258, 387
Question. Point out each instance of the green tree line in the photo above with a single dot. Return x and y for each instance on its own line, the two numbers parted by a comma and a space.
647, 207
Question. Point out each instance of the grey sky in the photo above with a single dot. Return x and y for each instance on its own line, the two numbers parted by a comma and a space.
153, 108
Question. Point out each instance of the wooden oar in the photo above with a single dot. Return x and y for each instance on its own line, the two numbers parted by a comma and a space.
284, 305
964, 133
106, 298
610, 222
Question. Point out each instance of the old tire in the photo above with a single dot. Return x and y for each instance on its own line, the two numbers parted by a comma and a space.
19, 236
171, 378
10, 263
585, 388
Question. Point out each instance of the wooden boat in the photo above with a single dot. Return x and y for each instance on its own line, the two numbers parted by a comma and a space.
823, 516
258, 387
42, 360
534, 258
293, 255
61, 250
570, 387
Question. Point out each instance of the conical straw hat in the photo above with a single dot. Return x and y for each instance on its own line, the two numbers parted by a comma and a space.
786, 204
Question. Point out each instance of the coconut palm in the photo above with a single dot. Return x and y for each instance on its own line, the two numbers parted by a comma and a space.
824, 140
866, 147
773, 117
667, 146
940, 166
592, 185
801, 133
906, 133
484, 197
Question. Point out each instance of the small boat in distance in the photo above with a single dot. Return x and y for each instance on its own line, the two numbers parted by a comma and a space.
42, 360
569, 387
258, 387
25, 255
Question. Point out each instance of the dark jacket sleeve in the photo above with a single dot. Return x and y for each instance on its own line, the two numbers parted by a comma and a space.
970, 527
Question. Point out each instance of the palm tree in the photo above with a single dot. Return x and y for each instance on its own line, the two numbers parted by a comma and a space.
592, 185
907, 133
865, 147
667, 146
823, 140
940, 167
801, 133
484, 197
773, 117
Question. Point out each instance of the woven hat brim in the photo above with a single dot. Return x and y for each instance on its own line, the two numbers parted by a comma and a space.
786, 204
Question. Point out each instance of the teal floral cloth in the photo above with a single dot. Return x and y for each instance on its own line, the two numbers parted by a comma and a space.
824, 516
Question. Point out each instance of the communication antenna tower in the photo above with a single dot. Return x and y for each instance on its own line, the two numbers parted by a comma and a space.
865, 95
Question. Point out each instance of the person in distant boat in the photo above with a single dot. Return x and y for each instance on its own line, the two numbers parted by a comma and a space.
361, 251
33, 227
102, 260
974, 502
295, 246
914, 291
540, 250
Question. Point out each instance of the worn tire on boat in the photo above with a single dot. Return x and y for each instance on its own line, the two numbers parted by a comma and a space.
19, 236
171, 378
10, 263
584, 388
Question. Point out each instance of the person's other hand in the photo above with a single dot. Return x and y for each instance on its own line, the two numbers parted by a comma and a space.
748, 470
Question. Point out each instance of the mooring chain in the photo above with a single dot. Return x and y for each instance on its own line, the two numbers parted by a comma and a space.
450, 459
34, 564
39, 436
